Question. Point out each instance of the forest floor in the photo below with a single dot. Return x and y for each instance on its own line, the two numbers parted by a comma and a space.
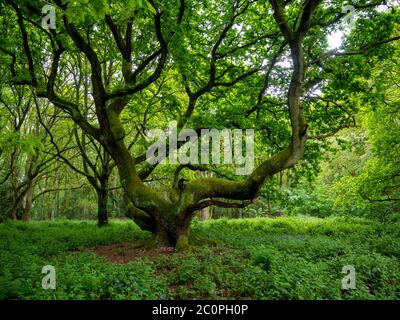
261, 258
127, 251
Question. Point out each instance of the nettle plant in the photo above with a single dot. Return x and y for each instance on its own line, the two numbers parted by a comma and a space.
261, 65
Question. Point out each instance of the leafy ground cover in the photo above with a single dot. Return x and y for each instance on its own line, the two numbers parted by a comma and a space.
282, 258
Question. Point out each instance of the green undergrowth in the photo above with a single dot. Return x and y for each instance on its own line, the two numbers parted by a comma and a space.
282, 258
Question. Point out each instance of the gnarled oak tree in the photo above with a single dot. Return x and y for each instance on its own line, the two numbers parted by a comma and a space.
267, 59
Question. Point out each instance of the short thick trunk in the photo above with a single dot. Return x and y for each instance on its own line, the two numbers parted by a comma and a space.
165, 238
174, 236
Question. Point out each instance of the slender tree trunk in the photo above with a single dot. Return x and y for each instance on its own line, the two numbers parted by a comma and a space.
14, 213
44, 201
57, 211
205, 213
102, 200
268, 203
27, 204
15, 200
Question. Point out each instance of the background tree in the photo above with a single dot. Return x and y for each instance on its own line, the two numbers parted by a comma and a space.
23, 148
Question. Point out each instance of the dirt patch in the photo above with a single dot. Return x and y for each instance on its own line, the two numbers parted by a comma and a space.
127, 251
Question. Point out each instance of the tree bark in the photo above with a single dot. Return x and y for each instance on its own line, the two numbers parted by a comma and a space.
205, 213
102, 201
27, 204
